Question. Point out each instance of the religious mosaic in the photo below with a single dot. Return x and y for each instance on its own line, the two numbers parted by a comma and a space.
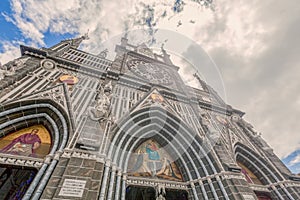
34, 141
150, 160
249, 176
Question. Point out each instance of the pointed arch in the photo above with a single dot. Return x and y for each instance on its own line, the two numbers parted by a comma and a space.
22, 114
155, 122
258, 165
174, 135
261, 168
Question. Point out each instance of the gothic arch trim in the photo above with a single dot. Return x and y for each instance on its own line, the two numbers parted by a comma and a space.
138, 121
252, 159
251, 156
170, 128
48, 113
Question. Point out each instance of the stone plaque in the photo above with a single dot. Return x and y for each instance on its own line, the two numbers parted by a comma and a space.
72, 188
248, 197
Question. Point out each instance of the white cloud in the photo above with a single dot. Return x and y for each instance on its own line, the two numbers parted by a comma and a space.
11, 51
239, 36
296, 160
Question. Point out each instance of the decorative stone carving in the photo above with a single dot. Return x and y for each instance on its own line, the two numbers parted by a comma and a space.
48, 64
2, 74
160, 192
213, 134
102, 109
10, 68
103, 54
108, 87
154, 182
30, 162
7, 71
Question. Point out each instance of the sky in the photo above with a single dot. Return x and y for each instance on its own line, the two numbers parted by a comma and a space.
254, 44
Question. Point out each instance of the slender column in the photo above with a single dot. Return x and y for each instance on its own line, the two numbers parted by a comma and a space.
104, 180
123, 191
203, 190
275, 189
287, 192
222, 187
194, 191
118, 184
212, 188
111, 183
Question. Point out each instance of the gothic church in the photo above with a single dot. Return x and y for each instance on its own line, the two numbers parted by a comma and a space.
74, 125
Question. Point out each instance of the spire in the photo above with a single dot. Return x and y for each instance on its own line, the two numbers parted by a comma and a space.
77, 41
165, 55
196, 75
201, 82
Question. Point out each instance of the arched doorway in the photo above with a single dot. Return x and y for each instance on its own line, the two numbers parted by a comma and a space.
255, 171
249, 175
27, 143
14, 181
173, 135
34, 141
149, 193
262, 196
36, 128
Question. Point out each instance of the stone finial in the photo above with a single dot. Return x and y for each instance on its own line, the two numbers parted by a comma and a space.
108, 87
77, 41
103, 54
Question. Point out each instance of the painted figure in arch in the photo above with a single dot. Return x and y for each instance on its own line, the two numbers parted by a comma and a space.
151, 159
24, 145
152, 151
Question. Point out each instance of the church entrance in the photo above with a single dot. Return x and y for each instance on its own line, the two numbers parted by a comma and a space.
14, 181
262, 196
149, 193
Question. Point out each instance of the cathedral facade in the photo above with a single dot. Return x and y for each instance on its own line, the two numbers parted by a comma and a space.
74, 125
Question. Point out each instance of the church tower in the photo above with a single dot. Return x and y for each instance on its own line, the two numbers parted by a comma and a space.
74, 125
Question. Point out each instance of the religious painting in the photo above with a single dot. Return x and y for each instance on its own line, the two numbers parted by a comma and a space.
68, 79
157, 98
150, 160
250, 177
34, 141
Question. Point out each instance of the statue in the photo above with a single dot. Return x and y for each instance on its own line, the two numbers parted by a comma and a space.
2, 74
10, 68
160, 197
160, 192
108, 87
102, 109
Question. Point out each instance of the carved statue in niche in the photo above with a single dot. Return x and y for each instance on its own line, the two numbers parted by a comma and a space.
9, 68
160, 192
6, 71
213, 135
102, 108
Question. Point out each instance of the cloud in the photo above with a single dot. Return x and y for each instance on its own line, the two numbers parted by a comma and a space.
11, 50
254, 44
296, 160
264, 82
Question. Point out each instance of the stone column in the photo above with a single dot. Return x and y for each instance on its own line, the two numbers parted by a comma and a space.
104, 180
118, 184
